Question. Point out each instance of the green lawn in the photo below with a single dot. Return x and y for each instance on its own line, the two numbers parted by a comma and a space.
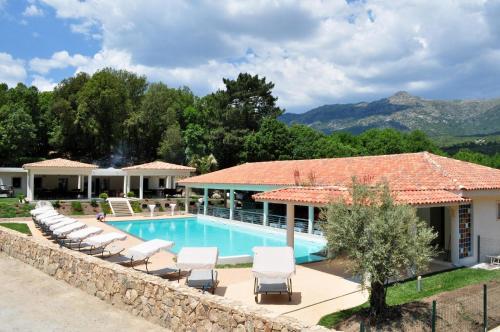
407, 292
11, 208
20, 227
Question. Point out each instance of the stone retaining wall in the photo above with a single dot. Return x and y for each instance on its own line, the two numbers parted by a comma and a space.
166, 303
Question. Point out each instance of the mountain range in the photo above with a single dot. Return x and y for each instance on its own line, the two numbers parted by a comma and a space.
404, 111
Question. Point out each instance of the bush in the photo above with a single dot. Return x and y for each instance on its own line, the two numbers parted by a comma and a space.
93, 203
136, 206
77, 207
130, 194
105, 208
20, 197
103, 196
57, 204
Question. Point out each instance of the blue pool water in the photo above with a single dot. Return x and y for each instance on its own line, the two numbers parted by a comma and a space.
232, 240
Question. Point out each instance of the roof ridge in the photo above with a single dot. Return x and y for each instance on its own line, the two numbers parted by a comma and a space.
439, 168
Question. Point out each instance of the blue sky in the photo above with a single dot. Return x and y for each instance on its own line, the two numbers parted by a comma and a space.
315, 51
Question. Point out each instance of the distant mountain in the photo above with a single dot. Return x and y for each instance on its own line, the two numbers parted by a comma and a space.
403, 111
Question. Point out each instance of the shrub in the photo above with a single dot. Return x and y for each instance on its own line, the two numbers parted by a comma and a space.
93, 203
103, 196
57, 204
105, 208
77, 207
130, 194
20, 197
136, 206
181, 205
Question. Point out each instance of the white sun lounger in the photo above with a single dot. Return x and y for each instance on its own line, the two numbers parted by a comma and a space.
54, 220
46, 214
75, 238
55, 217
63, 223
65, 230
200, 261
141, 253
273, 268
101, 242
43, 204
41, 210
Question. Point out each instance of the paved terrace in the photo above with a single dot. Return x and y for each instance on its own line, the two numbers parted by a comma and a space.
318, 288
34, 301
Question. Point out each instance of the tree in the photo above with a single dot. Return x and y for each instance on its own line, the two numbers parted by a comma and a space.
17, 135
270, 142
381, 238
204, 164
171, 146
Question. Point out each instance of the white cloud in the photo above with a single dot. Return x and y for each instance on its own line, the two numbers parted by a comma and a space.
59, 60
314, 51
12, 70
32, 10
42, 83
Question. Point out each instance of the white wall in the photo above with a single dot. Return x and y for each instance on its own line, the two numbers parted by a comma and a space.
6, 179
486, 225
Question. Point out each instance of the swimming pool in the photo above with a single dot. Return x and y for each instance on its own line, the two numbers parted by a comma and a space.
233, 240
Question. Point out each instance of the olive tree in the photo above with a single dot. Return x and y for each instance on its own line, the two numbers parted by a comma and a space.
383, 239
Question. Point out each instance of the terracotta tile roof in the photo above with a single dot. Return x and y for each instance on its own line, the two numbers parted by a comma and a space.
410, 171
325, 195
59, 163
160, 165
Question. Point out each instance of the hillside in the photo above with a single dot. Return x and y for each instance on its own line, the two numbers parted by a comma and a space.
406, 112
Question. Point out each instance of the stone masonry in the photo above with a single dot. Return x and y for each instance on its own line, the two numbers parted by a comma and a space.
169, 304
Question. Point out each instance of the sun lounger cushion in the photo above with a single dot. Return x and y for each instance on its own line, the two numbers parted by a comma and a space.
53, 221
62, 231
273, 262
199, 258
102, 240
148, 248
46, 214
63, 223
83, 233
41, 210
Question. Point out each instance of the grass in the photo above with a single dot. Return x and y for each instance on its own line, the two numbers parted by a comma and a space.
234, 266
11, 208
407, 291
20, 227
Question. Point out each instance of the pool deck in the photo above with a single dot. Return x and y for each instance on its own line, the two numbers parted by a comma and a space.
318, 288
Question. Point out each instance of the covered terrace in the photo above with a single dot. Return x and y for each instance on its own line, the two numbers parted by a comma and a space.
290, 194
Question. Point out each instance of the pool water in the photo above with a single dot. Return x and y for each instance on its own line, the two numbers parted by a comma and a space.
232, 240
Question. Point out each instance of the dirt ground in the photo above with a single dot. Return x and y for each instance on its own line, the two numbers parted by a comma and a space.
458, 310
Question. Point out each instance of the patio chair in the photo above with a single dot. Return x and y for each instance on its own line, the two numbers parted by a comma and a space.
272, 270
45, 214
494, 260
101, 244
200, 261
63, 223
41, 210
141, 253
75, 238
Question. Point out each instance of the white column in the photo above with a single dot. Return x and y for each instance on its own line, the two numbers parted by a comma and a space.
79, 182
205, 201
168, 182
172, 181
231, 204
125, 185
310, 219
290, 224
141, 186
455, 235
128, 185
30, 190
89, 187
265, 220
187, 193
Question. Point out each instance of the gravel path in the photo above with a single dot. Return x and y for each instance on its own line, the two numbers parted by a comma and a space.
30, 300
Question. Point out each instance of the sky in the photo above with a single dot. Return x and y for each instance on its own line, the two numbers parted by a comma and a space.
315, 51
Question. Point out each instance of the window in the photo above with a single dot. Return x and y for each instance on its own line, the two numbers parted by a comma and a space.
16, 182
498, 210
162, 183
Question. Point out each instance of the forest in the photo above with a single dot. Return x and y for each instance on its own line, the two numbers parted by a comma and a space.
116, 118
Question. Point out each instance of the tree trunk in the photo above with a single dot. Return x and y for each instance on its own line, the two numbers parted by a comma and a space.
377, 299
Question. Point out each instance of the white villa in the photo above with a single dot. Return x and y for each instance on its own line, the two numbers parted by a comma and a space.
68, 179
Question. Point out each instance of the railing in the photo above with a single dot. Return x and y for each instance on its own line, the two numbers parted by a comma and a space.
257, 218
